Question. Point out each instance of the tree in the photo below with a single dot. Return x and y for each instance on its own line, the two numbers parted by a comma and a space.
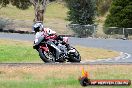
103, 6
81, 11
39, 6
120, 14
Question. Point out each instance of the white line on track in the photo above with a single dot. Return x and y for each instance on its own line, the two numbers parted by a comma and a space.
122, 56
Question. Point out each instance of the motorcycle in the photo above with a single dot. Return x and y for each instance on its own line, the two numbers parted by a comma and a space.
54, 50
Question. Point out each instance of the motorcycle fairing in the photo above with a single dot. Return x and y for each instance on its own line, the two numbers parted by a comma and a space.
39, 36
44, 48
58, 51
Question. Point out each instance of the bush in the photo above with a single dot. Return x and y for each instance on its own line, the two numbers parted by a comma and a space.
120, 14
81, 11
83, 30
3, 23
103, 6
113, 30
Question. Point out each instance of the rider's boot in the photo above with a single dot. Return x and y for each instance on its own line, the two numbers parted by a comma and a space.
69, 48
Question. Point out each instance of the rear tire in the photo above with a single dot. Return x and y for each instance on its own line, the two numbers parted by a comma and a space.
46, 58
75, 57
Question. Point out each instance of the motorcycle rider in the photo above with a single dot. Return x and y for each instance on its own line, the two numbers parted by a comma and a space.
50, 34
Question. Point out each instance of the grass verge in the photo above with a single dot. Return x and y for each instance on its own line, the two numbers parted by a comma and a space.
96, 53
54, 18
53, 10
22, 51
59, 76
17, 51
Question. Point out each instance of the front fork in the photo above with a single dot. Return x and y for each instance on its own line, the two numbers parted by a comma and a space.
58, 51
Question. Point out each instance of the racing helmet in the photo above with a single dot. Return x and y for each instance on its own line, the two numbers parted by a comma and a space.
37, 27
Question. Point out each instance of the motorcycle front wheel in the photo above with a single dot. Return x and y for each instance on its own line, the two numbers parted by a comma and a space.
47, 57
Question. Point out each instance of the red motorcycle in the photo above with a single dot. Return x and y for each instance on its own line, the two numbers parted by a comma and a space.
55, 48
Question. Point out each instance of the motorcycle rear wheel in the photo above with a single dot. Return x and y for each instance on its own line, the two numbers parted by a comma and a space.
75, 57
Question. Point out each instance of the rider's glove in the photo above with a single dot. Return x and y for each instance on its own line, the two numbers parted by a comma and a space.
60, 38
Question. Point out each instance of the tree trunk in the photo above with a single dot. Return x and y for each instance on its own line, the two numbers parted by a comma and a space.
39, 15
39, 8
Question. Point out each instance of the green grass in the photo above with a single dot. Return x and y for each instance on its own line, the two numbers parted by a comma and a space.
22, 51
16, 51
59, 76
49, 83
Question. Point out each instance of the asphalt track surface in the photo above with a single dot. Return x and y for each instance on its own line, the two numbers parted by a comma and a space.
123, 46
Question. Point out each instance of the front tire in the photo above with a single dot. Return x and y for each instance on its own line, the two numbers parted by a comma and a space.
47, 57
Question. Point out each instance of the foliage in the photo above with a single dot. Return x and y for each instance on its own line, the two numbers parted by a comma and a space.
82, 30
3, 23
3, 3
81, 11
120, 14
21, 4
103, 6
